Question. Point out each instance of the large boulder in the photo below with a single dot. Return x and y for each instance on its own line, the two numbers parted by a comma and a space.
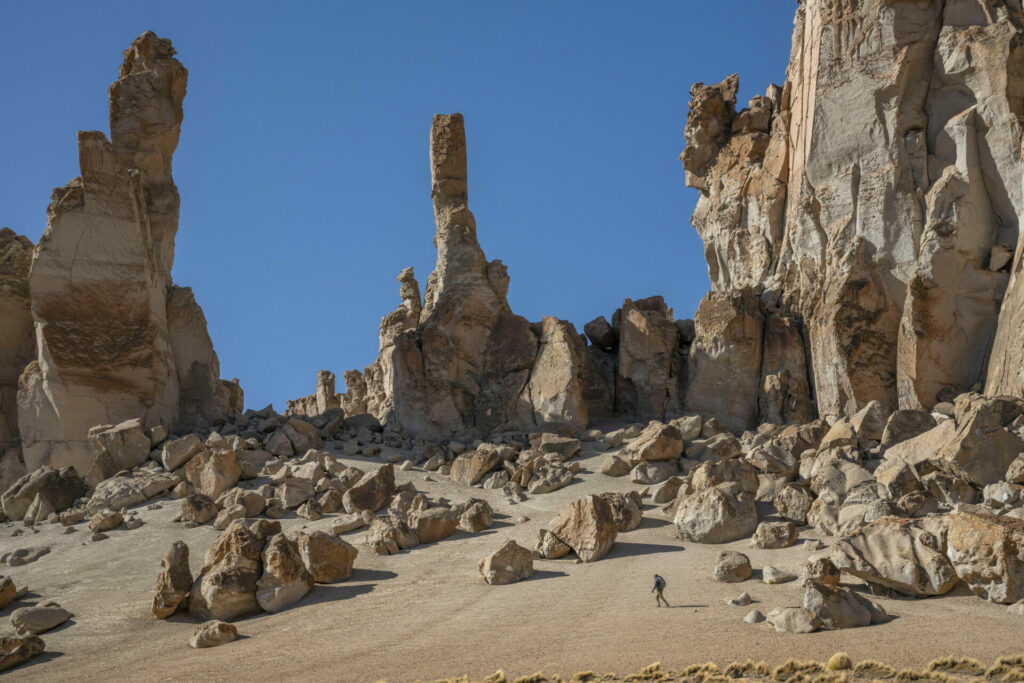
177, 452
718, 514
117, 447
839, 607
389, 534
983, 446
328, 558
987, 552
474, 515
225, 590
213, 472
655, 443
59, 488
586, 525
508, 564
433, 524
285, 579
908, 555
732, 567
372, 491
174, 582
39, 618
626, 510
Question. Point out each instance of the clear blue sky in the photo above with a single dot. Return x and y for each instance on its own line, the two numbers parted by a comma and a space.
303, 162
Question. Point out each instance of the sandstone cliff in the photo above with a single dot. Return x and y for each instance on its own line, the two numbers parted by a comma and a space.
861, 222
115, 340
16, 345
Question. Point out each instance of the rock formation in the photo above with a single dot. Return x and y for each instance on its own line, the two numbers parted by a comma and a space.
872, 203
16, 345
115, 339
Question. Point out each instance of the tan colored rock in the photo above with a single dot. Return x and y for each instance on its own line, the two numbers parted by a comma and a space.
626, 510
16, 650
225, 590
775, 535
586, 525
60, 488
17, 346
657, 442
732, 567
908, 555
553, 399
39, 618
285, 579
434, 524
839, 607
470, 468
387, 535
987, 552
108, 345
718, 514
212, 634
197, 509
174, 582
213, 472
105, 520
793, 501
8, 591
328, 558
508, 564
474, 515
793, 620
372, 491
177, 452
550, 547
650, 375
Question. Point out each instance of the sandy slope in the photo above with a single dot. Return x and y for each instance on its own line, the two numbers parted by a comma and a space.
427, 613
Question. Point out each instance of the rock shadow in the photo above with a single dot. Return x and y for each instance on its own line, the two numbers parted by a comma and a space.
331, 592
359, 574
626, 549
653, 523
540, 574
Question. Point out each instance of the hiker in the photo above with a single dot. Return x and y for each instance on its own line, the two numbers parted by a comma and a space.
659, 586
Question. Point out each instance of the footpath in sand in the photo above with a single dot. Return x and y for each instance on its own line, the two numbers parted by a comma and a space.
427, 613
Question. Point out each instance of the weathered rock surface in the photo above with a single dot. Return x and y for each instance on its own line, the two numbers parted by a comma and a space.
839, 607
226, 590
212, 634
328, 558
39, 618
987, 552
372, 491
115, 340
587, 526
285, 579
718, 514
60, 488
875, 235
508, 564
174, 582
17, 346
908, 555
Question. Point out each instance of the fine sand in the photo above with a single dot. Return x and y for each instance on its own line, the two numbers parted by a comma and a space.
426, 613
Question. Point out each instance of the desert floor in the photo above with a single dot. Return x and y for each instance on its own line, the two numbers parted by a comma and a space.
427, 613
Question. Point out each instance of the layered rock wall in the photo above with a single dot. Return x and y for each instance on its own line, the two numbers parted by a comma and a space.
874, 200
115, 340
17, 345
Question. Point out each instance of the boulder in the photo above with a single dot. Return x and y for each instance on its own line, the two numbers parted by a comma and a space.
731, 471
550, 476
16, 650
652, 473
213, 633
601, 334
60, 488
434, 524
225, 590
294, 492
586, 525
38, 618
822, 570
838, 607
732, 567
983, 446
550, 547
905, 424
213, 472
719, 514
387, 535
129, 490
657, 442
177, 452
773, 575
907, 555
626, 510
769, 535
508, 564
285, 579
242, 538
197, 509
793, 501
8, 591
117, 447
469, 468
372, 491
615, 466
666, 491
174, 582
793, 620
474, 515
105, 520
328, 558
987, 553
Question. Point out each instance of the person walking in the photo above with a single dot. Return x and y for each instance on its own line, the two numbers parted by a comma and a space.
659, 586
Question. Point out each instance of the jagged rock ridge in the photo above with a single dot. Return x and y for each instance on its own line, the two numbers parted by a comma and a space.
873, 202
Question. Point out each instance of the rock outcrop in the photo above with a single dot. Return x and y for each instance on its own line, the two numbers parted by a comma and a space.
115, 339
17, 346
872, 203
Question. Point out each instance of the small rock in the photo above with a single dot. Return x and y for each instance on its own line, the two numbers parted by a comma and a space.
742, 600
99, 537
39, 618
508, 564
754, 617
773, 575
213, 633
732, 567
105, 520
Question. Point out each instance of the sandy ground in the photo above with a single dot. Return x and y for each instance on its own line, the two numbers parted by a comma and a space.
427, 613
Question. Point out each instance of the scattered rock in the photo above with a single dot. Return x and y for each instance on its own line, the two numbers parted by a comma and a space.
773, 575
775, 535
328, 558
742, 600
732, 567
285, 579
105, 520
586, 525
174, 582
212, 634
39, 618
508, 564
793, 620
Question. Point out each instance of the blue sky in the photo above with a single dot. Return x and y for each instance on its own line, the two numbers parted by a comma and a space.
303, 162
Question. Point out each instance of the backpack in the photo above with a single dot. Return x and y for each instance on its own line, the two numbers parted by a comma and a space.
659, 582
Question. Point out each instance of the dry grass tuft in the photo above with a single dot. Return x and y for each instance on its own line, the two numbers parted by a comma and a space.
793, 668
839, 662
748, 669
869, 668
958, 665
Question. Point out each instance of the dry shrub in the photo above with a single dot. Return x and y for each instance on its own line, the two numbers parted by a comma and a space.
869, 668
793, 668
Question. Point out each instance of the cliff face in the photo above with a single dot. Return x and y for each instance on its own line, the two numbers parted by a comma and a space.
115, 340
873, 204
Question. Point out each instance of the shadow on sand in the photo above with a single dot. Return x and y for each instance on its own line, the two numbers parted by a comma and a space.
625, 549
